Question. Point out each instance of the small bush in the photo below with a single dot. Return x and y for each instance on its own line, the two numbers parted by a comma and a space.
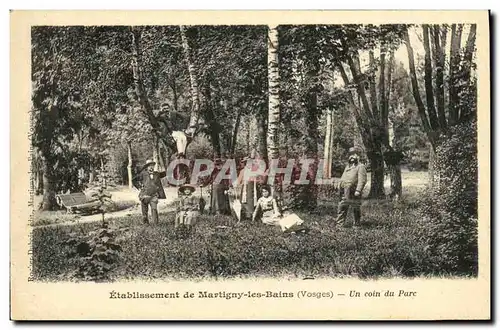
450, 210
95, 253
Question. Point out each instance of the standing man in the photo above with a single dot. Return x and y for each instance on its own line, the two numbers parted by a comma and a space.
151, 189
351, 186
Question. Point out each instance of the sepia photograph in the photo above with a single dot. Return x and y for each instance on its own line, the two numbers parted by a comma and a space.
213, 152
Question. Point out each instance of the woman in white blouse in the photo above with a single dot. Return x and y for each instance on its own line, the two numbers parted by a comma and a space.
267, 208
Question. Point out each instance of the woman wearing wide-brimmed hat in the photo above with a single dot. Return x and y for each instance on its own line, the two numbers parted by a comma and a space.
148, 181
188, 206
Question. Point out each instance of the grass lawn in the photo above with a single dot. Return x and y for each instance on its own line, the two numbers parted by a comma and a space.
388, 244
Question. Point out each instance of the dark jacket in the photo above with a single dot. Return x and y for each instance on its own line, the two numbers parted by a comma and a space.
150, 186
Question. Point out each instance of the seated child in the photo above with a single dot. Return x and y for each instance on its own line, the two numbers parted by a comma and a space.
188, 206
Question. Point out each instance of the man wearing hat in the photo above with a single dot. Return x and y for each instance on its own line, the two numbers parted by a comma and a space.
351, 186
151, 189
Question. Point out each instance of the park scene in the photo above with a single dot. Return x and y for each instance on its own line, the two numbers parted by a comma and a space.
225, 151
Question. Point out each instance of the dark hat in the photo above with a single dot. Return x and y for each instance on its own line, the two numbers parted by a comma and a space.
187, 187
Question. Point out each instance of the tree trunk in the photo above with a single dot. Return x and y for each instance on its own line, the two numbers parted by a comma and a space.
91, 174
364, 128
103, 173
261, 135
377, 172
373, 88
212, 122
249, 127
429, 92
432, 171
466, 68
416, 93
49, 198
439, 63
312, 134
274, 105
140, 90
194, 119
384, 105
234, 137
175, 96
309, 191
395, 170
226, 136
327, 152
374, 152
396, 181
358, 80
453, 101
129, 166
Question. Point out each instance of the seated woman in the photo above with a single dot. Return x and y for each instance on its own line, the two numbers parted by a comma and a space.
188, 207
267, 208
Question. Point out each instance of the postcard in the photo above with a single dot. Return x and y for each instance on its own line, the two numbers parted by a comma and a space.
250, 165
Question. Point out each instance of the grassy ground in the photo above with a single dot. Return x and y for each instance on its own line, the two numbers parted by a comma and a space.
388, 244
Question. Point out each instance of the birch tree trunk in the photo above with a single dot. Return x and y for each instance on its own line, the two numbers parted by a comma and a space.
129, 166
327, 152
91, 174
193, 79
274, 109
103, 173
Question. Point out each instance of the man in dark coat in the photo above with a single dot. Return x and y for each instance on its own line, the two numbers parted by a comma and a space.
151, 189
352, 182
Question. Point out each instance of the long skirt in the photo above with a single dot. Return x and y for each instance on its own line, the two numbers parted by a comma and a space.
219, 203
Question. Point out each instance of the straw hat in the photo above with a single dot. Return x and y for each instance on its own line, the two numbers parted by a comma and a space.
186, 187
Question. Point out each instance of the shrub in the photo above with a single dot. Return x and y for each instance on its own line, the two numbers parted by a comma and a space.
451, 209
95, 253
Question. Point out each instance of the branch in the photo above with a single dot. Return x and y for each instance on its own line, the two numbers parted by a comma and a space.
365, 130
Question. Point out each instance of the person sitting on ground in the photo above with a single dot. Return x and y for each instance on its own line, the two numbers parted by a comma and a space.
267, 208
188, 207
269, 211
